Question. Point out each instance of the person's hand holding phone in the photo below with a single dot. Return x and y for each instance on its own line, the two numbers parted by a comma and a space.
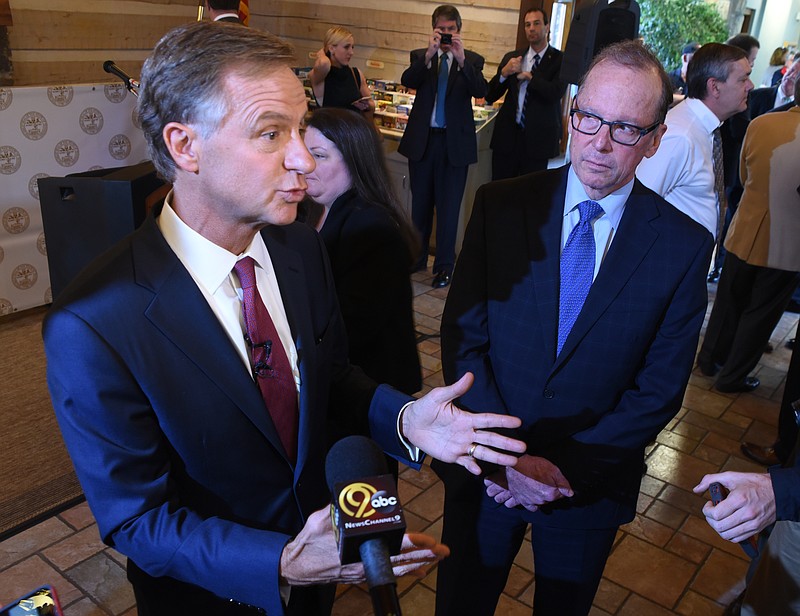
434, 42
457, 47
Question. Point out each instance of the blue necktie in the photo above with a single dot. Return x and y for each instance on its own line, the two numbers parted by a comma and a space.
577, 269
441, 90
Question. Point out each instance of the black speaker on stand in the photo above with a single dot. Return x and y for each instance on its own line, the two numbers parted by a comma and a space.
84, 214
595, 25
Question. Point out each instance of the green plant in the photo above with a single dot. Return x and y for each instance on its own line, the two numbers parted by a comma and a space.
667, 25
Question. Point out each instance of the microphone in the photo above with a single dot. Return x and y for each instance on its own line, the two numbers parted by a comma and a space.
367, 516
131, 84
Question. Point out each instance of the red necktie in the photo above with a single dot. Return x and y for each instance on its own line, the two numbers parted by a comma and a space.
271, 369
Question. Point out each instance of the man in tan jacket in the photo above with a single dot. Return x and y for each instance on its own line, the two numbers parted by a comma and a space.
761, 269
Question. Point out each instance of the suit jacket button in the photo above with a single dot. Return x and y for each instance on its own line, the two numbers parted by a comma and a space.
549, 394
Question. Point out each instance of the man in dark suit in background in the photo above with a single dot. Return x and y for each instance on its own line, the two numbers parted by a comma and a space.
593, 381
527, 130
223, 10
191, 366
439, 140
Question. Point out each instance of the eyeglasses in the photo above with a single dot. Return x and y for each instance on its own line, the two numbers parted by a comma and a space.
621, 132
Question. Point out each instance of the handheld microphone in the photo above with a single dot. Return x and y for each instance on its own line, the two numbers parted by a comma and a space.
131, 84
367, 516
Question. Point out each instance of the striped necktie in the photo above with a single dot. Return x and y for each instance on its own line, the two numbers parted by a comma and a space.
527, 92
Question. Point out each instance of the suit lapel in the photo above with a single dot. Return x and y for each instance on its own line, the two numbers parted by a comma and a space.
181, 313
544, 249
452, 69
631, 243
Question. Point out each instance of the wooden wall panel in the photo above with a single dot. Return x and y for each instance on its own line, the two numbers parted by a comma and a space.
61, 41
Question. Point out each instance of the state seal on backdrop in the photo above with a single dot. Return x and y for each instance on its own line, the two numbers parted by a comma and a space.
16, 220
33, 184
119, 147
66, 152
115, 92
33, 125
60, 96
24, 276
6, 97
91, 121
6, 307
10, 159
41, 244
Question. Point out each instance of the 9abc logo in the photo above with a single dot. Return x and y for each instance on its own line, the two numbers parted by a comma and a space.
362, 500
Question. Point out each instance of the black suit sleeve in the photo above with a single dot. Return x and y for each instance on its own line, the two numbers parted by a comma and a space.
498, 86
414, 76
473, 73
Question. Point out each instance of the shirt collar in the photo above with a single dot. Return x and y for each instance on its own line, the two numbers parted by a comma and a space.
209, 264
541, 53
707, 118
613, 205
218, 17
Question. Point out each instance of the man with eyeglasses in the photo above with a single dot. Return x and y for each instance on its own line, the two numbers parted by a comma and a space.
577, 302
688, 168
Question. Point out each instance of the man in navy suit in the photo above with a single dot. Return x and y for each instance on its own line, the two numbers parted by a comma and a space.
439, 140
590, 396
527, 130
169, 415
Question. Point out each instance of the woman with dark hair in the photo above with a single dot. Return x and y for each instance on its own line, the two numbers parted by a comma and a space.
371, 243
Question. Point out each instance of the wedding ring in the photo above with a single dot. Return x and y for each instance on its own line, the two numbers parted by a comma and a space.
471, 450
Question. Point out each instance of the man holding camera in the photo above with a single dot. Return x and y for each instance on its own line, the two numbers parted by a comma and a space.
439, 140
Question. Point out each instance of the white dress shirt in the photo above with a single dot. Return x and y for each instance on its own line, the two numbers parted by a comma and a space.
604, 226
682, 170
211, 268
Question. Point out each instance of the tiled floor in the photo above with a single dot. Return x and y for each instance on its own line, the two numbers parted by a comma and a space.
668, 561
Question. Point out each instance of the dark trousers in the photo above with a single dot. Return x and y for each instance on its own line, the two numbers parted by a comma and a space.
169, 597
750, 301
484, 539
513, 162
732, 196
435, 183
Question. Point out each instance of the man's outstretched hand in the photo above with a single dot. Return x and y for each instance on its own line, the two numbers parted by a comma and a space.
442, 430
